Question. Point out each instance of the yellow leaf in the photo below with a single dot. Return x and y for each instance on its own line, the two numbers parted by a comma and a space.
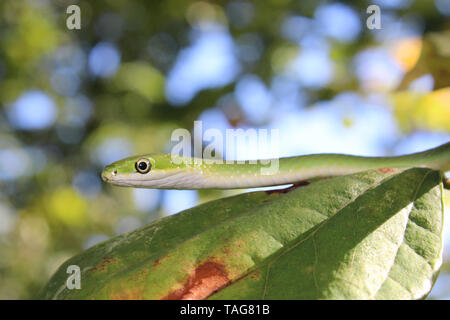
67, 206
430, 111
141, 78
406, 52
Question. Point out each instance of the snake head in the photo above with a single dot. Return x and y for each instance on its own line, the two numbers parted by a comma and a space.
145, 171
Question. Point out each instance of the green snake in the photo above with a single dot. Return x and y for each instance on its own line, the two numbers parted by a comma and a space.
161, 171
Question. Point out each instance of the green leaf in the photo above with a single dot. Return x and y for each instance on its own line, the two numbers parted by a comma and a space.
371, 235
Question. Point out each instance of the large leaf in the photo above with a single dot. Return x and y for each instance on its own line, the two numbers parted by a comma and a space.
371, 235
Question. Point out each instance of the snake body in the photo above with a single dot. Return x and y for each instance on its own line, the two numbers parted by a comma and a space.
160, 171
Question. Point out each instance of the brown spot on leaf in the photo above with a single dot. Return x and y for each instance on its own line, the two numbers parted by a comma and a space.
255, 275
206, 279
286, 190
128, 294
386, 170
103, 265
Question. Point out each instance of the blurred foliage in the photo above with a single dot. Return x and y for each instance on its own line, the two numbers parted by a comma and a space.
434, 59
52, 203
415, 110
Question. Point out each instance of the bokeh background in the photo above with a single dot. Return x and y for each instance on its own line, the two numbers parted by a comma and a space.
73, 101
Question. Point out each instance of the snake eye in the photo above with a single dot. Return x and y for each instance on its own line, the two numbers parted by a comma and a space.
143, 165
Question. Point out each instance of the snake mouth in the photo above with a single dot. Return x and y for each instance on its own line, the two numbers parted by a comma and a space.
108, 174
104, 176
161, 180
